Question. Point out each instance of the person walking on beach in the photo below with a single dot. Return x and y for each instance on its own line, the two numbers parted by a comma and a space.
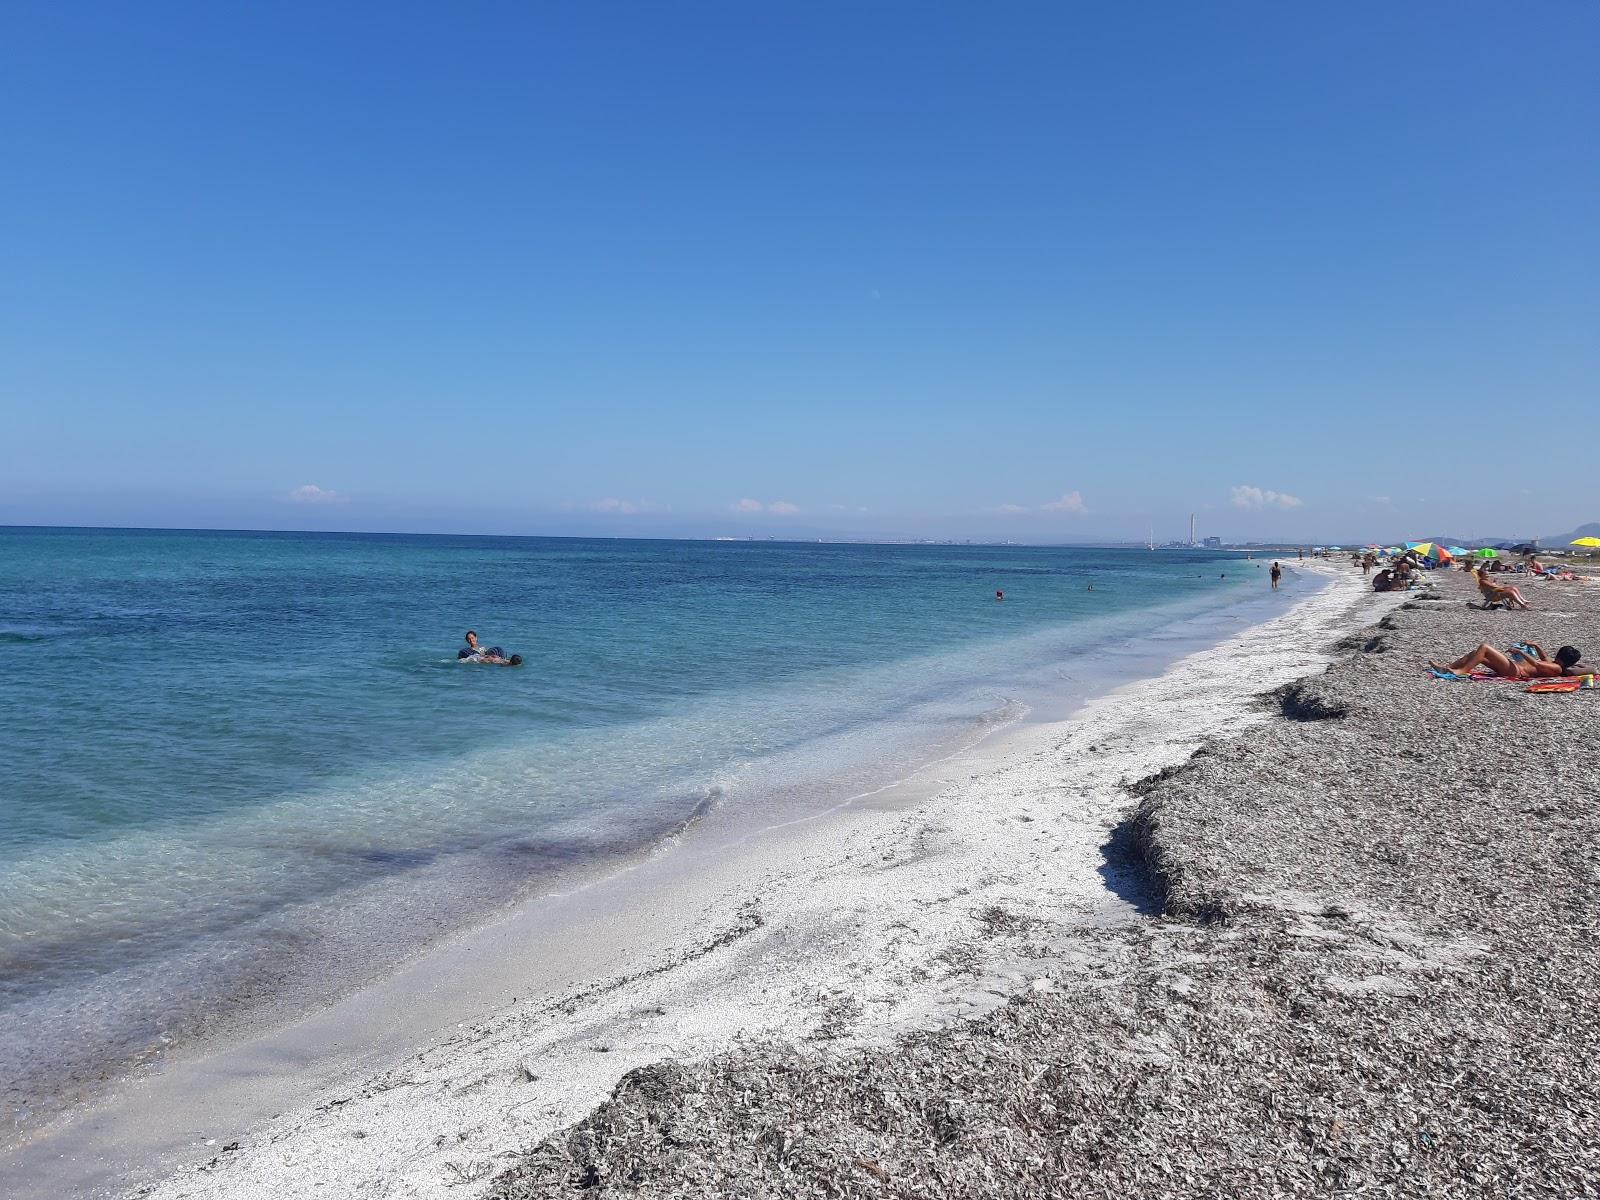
1277, 574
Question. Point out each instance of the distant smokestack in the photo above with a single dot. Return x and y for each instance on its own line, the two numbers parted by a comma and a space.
1191, 529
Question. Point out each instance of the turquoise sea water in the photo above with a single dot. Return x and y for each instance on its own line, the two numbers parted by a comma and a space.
241, 764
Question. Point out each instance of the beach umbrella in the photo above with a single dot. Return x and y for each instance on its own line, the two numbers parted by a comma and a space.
1458, 550
1429, 550
1486, 552
1585, 541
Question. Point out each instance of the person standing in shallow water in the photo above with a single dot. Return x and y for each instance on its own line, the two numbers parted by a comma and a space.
1277, 574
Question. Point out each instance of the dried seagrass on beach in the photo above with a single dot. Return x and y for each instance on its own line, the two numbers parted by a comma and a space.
1374, 974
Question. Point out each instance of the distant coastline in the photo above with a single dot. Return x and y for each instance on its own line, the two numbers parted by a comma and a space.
1286, 545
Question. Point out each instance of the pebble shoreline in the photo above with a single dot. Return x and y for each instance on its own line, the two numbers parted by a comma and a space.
1374, 973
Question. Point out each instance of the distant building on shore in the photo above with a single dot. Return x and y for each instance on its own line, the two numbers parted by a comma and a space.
1213, 543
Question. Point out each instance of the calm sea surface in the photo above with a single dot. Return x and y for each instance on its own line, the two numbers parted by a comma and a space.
237, 763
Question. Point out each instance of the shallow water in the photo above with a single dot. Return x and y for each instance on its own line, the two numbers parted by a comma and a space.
247, 765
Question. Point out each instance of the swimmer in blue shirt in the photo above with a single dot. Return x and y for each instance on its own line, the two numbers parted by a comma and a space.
473, 652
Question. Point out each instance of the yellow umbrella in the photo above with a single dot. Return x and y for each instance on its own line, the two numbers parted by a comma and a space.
1587, 541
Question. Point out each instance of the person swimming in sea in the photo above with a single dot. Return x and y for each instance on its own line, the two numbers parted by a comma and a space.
493, 655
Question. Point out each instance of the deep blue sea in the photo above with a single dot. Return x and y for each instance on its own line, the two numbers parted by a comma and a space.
238, 763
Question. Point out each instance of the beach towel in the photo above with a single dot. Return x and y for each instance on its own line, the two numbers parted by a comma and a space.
1570, 683
1561, 683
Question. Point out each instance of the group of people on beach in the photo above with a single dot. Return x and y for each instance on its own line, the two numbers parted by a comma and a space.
1405, 572
1521, 660
1497, 593
1396, 577
1529, 566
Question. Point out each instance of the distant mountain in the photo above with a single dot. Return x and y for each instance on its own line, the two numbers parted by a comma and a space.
1473, 541
1592, 529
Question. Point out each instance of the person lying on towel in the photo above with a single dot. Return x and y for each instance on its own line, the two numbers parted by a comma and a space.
1524, 660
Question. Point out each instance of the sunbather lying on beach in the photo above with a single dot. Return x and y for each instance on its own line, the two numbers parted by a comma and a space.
1497, 593
1556, 572
1525, 660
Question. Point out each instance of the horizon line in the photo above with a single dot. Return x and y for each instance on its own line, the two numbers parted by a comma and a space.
824, 539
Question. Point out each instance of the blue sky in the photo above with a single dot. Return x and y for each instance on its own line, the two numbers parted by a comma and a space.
1051, 271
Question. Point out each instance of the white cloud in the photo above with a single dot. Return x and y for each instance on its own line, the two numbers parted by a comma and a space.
1072, 502
1247, 496
611, 504
780, 508
310, 493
